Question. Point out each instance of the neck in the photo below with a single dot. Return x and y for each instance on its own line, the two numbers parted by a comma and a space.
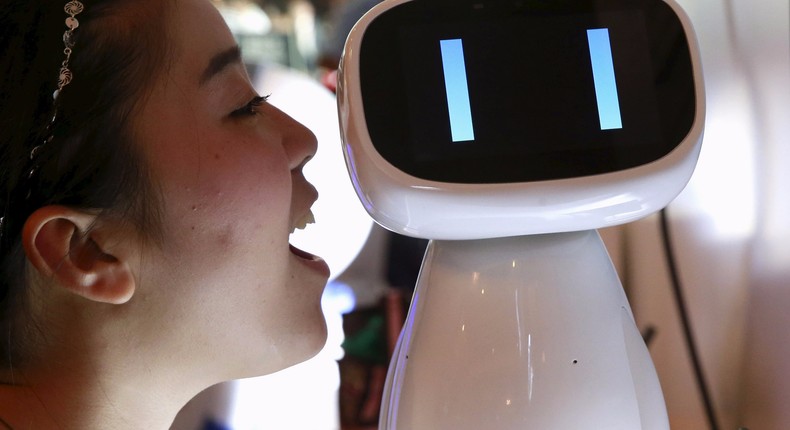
87, 370
62, 399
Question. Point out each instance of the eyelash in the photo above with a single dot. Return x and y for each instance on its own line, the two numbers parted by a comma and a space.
251, 108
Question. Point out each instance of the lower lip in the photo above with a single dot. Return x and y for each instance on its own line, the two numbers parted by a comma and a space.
314, 262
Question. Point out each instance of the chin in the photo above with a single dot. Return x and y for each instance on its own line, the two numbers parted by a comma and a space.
304, 343
312, 342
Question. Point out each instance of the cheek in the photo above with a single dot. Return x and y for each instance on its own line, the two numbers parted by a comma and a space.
231, 195
235, 198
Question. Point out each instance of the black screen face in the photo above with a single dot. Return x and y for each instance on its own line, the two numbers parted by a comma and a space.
497, 91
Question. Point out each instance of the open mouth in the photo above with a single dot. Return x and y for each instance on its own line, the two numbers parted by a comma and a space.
307, 219
311, 261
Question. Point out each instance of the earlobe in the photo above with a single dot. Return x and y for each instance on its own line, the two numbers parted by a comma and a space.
61, 245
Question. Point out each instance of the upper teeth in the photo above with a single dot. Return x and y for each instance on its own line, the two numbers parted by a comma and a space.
302, 222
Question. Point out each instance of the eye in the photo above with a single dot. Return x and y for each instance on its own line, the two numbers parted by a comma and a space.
251, 108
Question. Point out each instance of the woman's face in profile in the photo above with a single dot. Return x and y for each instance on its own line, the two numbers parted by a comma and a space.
226, 285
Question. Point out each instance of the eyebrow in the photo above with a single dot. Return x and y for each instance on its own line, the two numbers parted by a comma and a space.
219, 62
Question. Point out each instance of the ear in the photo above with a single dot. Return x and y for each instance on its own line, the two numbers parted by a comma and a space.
61, 245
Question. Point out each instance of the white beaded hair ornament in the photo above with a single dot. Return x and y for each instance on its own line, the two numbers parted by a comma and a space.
72, 8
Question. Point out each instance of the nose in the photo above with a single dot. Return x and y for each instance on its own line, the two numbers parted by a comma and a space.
299, 142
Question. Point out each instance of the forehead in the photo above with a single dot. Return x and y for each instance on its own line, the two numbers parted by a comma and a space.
166, 124
199, 33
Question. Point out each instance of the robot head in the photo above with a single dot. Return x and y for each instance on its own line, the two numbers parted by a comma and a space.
489, 118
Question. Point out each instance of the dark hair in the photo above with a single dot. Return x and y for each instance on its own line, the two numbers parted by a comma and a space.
91, 162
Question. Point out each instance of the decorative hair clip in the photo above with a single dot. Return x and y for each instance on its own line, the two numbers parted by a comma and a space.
72, 8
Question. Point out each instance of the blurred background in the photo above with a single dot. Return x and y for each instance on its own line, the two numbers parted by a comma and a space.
729, 232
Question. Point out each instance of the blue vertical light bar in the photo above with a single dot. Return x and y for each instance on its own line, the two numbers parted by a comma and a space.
603, 75
457, 90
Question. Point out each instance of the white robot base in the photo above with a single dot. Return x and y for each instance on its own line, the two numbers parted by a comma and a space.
529, 332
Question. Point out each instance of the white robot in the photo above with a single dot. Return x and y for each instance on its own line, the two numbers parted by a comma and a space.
507, 131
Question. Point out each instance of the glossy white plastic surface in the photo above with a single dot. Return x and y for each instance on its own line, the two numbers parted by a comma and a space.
529, 332
438, 210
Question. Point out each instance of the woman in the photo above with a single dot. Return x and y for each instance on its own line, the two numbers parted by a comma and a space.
144, 242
